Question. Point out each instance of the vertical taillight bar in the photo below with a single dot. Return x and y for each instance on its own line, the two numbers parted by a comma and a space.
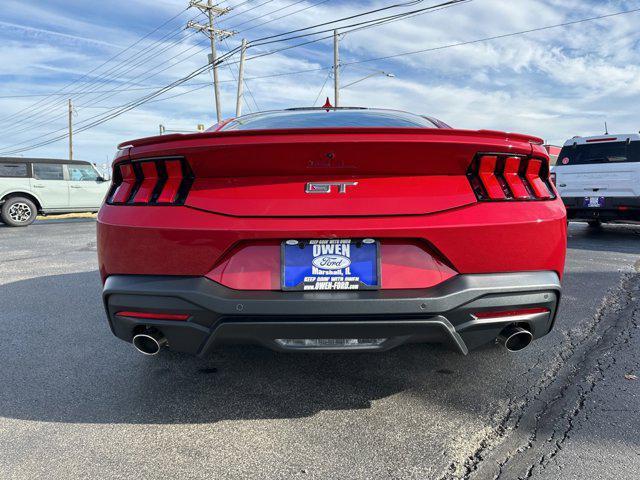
172, 182
487, 174
148, 184
127, 178
512, 168
540, 189
509, 177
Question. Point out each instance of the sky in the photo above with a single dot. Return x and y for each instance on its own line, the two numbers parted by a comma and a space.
554, 83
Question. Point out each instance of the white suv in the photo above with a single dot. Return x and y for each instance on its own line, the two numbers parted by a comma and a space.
598, 178
29, 186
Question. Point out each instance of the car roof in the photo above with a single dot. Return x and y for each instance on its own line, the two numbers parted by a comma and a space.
620, 137
42, 160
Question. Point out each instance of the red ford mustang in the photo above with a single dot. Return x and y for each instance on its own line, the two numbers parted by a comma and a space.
338, 229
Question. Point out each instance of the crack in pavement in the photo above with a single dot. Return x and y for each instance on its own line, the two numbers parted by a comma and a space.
513, 449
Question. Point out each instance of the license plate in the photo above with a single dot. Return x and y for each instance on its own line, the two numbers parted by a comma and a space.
593, 202
332, 264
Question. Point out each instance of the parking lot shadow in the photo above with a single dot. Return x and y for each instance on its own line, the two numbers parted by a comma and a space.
60, 363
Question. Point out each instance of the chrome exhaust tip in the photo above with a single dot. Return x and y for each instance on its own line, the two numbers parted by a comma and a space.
149, 342
515, 338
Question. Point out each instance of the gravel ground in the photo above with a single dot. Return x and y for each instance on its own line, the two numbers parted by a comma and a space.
75, 402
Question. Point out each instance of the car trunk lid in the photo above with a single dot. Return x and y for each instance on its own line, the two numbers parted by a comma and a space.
331, 172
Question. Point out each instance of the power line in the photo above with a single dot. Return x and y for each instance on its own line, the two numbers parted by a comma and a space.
44, 104
153, 71
99, 119
284, 16
49, 106
322, 88
134, 104
407, 15
65, 94
495, 37
374, 21
343, 19
268, 13
246, 11
334, 21
119, 53
104, 97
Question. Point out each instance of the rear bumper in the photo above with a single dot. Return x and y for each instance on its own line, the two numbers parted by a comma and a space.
441, 314
614, 208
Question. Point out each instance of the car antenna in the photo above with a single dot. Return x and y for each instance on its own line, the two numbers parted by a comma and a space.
606, 130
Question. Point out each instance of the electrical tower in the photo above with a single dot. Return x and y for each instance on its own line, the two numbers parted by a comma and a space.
214, 34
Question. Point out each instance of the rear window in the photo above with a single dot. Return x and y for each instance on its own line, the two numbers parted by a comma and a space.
612, 152
287, 119
47, 171
13, 169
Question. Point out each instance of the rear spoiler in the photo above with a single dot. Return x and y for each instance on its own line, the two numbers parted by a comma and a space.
158, 139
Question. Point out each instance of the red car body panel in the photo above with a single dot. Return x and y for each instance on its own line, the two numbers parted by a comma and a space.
403, 265
413, 194
484, 238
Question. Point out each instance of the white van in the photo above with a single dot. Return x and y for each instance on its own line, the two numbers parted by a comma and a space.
598, 178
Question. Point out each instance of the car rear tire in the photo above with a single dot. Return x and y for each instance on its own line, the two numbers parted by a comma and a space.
18, 212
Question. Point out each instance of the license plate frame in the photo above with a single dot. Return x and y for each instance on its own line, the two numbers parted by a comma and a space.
297, 267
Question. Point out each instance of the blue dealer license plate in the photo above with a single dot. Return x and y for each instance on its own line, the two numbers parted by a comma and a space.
335, 264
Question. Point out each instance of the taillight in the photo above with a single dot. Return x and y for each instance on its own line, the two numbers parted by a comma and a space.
495, 177
160, 181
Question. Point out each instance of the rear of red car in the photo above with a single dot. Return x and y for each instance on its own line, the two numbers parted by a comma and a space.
331, 238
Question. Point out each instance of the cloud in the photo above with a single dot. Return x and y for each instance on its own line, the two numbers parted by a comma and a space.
42, 34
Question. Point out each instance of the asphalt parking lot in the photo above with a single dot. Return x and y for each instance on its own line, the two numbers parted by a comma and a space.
75, 402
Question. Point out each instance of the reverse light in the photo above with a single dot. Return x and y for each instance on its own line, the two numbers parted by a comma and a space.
160, 181
498, 177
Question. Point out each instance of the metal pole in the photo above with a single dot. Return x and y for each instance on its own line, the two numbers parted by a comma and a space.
70, 130
214, 56
336, 69
241, 78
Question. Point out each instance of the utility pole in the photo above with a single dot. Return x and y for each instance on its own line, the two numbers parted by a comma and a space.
243, 50
336, 69
70, 130
213, 33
